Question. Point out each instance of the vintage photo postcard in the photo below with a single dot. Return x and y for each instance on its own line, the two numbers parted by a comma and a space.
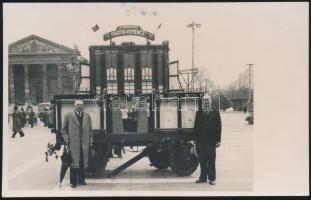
155, 99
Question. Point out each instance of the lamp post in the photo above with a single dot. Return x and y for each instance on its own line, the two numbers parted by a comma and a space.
218, 101
193, 25
210, 102
249, 82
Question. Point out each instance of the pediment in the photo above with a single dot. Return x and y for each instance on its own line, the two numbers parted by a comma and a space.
36, 44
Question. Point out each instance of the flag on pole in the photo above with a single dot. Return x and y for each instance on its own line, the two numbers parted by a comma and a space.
95, 28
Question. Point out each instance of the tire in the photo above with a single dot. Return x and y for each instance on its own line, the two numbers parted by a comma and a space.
97, 162
159, 159
250, 121
182, 160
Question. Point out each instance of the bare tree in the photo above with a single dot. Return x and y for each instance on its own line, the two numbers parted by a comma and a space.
203, 81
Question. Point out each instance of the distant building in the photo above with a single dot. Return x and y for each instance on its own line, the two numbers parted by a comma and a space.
243, 80
40, 69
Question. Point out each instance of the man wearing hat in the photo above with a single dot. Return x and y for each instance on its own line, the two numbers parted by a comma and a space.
77, 135
207, 128
17, 123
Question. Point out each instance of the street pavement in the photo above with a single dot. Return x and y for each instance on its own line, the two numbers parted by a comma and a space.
29, 171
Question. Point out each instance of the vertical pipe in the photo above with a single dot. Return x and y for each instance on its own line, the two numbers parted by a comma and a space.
102, 71
120, 72
155, 70
137, 73
192, 87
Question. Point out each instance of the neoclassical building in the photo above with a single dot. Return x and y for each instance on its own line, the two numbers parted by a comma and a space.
40, 69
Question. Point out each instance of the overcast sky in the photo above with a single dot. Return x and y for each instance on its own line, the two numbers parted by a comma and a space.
232, 34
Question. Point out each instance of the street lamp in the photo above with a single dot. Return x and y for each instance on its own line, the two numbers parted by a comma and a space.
193, 25
210, 102
219, 103
249, 82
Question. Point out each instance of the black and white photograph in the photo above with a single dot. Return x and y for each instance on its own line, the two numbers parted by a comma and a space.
155, 99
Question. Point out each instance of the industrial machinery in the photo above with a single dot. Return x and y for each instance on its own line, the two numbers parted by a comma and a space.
131, 103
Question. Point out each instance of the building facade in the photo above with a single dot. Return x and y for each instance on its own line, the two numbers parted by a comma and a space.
40, 69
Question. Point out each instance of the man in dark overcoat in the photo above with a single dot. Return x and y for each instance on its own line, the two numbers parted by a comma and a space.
207, 128
51, 117
31, 117
23, 114
77, 135
46, 116
17, 123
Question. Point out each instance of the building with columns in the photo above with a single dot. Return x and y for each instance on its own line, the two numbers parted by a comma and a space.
40, 69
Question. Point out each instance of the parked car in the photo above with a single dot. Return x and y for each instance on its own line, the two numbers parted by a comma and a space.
229, 109
41, 108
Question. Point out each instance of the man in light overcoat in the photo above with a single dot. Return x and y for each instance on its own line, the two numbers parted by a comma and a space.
77, 135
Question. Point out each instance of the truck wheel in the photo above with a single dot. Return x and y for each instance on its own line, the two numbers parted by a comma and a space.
97, 162
182, 160
159, 159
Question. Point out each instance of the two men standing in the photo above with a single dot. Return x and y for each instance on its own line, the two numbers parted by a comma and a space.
77, 135
207, 128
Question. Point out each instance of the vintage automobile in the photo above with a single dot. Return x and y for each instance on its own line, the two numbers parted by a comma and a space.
41, 107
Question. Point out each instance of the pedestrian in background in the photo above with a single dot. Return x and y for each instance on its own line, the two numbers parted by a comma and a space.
23, 113
17, 123
45, 117
207, 129
31, 117
51, 117
77, 135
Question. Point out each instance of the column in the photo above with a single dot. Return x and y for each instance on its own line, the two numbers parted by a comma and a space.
45, 83
11, 84
27, 91
59, 79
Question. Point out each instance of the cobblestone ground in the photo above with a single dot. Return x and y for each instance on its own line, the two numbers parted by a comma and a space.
28, 170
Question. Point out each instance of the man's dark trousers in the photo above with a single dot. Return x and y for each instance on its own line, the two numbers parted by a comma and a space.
77, 175
21, 133
207, 157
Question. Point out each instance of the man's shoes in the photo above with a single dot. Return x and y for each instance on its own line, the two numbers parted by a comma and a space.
73, 185
212, 182
200, 181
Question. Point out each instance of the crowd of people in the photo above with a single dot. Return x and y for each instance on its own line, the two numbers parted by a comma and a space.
22, 118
